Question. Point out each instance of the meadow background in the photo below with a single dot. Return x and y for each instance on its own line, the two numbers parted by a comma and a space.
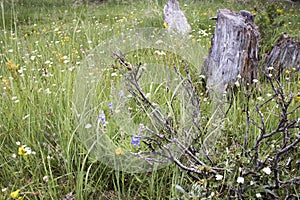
43, 42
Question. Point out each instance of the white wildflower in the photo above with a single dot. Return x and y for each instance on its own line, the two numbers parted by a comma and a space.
219, 177
267, 170
178, 187
32, 57
45, 178
240, 180
87, 126
258, 195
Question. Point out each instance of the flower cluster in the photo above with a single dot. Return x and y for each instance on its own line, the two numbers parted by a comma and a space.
16, 195
12, 67
24, 150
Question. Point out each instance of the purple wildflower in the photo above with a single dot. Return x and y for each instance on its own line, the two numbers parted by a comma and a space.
135, 140
110, 105
102, 118
121, 94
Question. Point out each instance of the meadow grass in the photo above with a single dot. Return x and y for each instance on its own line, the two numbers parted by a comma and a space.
43, 43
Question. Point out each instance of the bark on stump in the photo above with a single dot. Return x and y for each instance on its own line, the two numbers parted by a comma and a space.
233, 51
284, 55
174, 18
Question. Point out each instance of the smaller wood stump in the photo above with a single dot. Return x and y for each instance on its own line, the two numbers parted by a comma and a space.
233, 52
285, 54
174, 18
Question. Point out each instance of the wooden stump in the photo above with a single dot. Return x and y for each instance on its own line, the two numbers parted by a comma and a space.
174, 18
284, 55
233, 51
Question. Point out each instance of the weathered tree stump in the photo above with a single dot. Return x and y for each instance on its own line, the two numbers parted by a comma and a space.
285, 54
233, 51
174, 18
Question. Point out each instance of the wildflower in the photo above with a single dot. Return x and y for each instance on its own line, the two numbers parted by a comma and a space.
258, 195
48, 91
21, 151
297, 97
166, 25
75, 51
11, 66
179, 188
240, 180
102, 118
287, 72
121, 93
219, 177
114, 74
110, 105
32, 58
279, 11
45, 178
267, 170
237, 84
15, 194
260, 98
135, 140
87, 126
28, 150
5, 83
67, 39
119, 151
160, 53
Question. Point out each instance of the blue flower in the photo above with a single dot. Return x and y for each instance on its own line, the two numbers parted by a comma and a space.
102, 118
121, 94
110, 105
135, 140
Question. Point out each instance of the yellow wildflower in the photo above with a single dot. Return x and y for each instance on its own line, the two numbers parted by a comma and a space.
11, 66
119, 151
299, 84
287, 72
15, 194
6, 83
279, 11
67, 39
166, 25
75, 51
21, 151
297, 97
